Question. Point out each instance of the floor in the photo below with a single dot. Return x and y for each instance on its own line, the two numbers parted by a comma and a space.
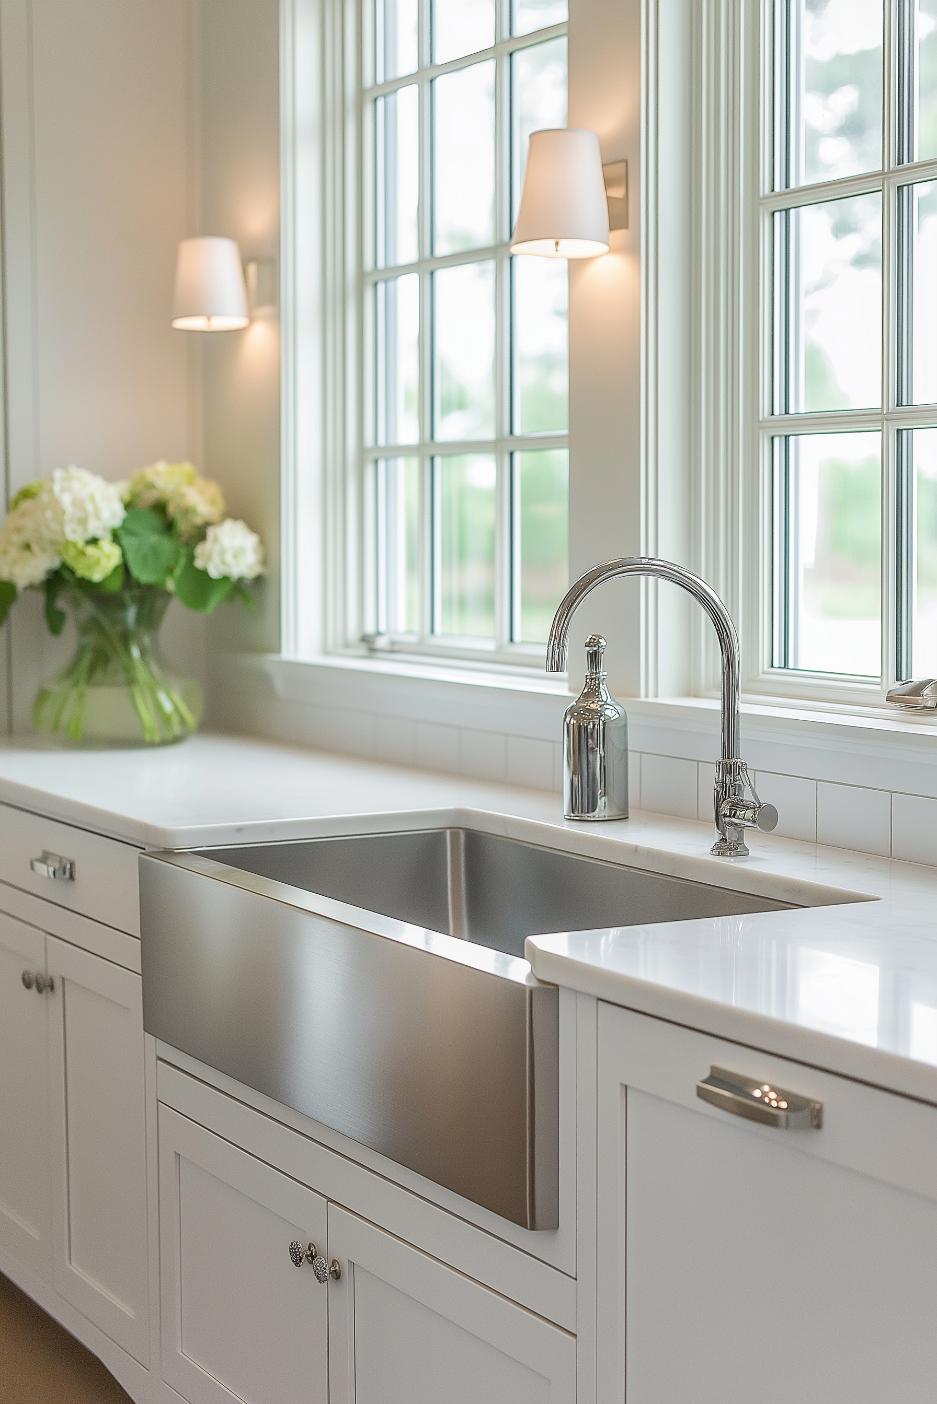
40, 1363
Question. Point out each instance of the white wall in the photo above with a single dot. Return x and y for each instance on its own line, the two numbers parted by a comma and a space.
98, 184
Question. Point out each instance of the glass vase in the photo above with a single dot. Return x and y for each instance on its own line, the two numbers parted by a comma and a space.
117, 690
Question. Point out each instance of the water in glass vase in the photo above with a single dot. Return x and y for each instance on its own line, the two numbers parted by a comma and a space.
117, 690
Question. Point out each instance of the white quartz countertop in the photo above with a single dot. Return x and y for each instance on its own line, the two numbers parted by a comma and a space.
850, 986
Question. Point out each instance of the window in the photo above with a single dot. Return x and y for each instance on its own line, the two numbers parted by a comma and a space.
847, 427
463, 363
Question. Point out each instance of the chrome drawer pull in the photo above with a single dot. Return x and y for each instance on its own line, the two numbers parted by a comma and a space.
53, 865
759, 1101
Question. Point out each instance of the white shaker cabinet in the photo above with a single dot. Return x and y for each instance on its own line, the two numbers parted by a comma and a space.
240, 1321
98, 1122
389, 1324
406, 1329
24, 1099
739, 1261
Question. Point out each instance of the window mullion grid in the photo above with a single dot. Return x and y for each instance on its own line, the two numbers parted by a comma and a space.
504, 331
428, 544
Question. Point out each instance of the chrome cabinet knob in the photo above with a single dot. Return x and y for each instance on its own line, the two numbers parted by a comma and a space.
54, 866
300, 1253
45, 984
325, 1270
28, 979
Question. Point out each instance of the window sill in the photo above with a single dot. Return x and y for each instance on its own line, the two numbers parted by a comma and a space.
507, 700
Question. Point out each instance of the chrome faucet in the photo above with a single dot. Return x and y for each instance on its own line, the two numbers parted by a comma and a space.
736, 803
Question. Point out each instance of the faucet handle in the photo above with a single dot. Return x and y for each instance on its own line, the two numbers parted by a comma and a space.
738, 807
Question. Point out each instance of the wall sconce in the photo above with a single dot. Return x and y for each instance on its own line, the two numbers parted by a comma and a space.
570, 200
210, 292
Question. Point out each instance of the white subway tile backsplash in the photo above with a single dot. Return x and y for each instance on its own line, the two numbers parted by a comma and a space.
914, 828
396, 740
483, 754
705, 786
530, 762
437, 747
795, 800
851, 816
669, 785
634, 780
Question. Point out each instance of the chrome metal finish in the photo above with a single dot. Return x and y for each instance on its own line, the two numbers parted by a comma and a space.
28, 979
45, 984
920, 696
321, 1269
308, 1254
759, 1101
335, 1270
735, 795
595, 746
54, 866
325, 974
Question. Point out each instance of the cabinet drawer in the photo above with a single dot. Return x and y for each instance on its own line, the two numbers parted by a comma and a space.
103, 882
862, 1128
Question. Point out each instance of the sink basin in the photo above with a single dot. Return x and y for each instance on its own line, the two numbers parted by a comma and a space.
377, 984
483, 888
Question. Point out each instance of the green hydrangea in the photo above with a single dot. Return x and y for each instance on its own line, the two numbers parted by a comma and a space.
93, 561
27, 493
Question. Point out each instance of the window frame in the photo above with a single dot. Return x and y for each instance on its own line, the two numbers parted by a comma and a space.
358, 626
736, 76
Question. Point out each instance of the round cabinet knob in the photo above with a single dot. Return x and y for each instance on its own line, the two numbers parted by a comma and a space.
335, 1270
300, 1254
44, 984
320, 1267
28, 979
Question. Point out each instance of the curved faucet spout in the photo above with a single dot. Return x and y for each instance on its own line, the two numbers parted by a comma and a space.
705, 595
737, 806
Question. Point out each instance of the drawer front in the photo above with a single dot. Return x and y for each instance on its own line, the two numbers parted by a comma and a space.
83, 872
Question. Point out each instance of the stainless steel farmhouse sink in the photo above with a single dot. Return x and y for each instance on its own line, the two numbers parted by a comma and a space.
377, 983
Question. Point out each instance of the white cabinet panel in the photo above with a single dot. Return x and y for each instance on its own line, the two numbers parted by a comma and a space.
24, 1115
103, 884
239, 1321
747, 1262
98, 1091
406, 1329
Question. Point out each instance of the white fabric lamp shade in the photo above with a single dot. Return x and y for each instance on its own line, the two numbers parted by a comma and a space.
564, 210
210, 293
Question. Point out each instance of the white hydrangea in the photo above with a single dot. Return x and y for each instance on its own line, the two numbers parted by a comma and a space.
230, 550
26, 557
79, 506
194, 505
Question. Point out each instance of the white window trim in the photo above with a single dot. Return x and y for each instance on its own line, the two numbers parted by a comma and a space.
731, 342
319, 610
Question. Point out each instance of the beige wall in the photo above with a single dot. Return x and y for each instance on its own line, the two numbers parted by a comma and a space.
239, 159
97, 190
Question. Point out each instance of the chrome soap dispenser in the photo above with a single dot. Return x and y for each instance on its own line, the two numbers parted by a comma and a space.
595, 740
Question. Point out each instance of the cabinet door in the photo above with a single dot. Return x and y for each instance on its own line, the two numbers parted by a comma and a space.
24, 1116
745, 1262
99, 1132
239, 1320
406, 1329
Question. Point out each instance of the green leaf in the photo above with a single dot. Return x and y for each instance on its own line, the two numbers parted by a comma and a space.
196, 589
113, 582
55, 617
151, 552
7, 596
